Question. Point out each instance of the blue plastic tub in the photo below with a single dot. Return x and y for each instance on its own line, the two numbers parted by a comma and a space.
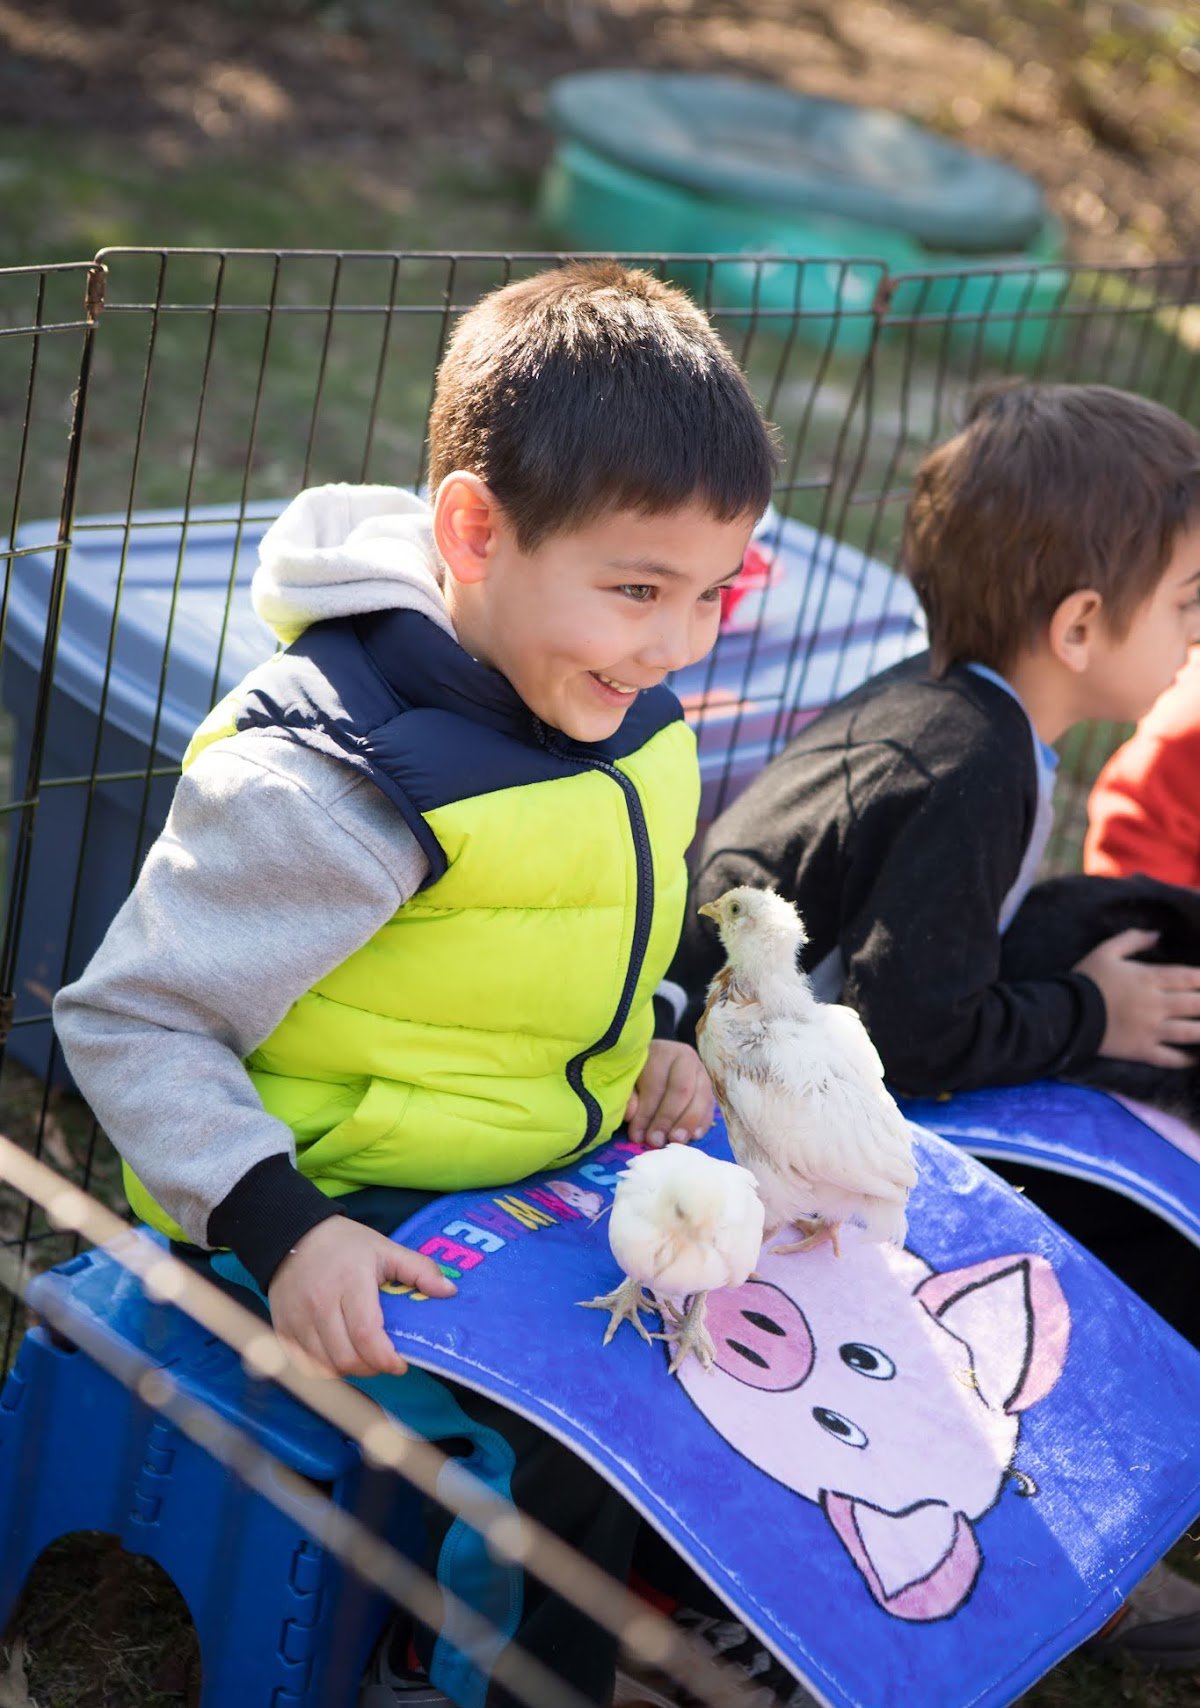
811, 618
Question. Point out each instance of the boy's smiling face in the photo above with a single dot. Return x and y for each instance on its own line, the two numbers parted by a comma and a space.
1130, 672
587, 620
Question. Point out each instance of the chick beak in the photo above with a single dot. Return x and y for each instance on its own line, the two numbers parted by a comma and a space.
710, 910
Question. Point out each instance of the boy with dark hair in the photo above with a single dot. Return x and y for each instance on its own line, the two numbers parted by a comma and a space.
1055, 546
424, 870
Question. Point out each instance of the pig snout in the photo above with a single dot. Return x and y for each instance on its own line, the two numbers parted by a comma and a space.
761, 1335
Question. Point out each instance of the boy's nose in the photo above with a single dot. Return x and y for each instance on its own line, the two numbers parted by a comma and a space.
673, 646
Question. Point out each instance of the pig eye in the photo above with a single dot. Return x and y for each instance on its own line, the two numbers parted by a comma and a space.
839, 1427
867, 1361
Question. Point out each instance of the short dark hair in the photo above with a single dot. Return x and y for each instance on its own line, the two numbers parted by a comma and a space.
1046, 490
593, 387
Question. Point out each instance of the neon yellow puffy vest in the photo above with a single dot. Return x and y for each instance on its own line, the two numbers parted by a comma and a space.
497, 1023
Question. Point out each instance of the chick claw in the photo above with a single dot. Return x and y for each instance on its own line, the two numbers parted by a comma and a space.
816, 1231
688, 1333
624, 1303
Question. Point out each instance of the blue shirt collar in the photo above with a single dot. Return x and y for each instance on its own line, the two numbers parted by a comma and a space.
1046, 756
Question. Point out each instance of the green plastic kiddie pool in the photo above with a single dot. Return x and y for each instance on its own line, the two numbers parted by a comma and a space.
672, 161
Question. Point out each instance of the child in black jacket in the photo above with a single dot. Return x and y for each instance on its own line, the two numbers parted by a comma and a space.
1055, 546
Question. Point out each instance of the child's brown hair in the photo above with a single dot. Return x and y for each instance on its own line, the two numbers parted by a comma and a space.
1046, 490
593, 387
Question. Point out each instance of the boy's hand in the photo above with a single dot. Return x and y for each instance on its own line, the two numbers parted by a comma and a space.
673, 1098
324, 1297
1152, 1010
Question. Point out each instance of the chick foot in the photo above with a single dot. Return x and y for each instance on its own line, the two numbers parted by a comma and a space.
816, 1231
688, 1333
624, 1303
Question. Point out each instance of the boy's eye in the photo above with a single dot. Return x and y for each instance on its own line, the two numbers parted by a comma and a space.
713, 595
641, 592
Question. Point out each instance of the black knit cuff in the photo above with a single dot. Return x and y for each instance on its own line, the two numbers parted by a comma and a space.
1093, 1022
262, 1217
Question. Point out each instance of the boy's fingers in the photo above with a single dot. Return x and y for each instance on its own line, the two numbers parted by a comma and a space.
327, 1345
372, 1349
1179, 978
1131, 942
341, 1354
1164, 1056
696, 1117
648, 1125
669, 1117
642, 1103
699, 1117
413, 1269
1179, 1030
310, 1363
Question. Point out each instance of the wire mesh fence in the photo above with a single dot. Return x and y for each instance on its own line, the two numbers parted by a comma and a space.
160, 407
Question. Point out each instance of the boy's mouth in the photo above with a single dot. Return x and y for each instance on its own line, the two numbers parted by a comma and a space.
622, 691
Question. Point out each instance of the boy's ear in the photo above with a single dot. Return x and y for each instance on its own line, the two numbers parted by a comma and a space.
1074, 627
467, 523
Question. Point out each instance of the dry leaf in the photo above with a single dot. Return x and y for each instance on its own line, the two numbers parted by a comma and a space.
14, 1688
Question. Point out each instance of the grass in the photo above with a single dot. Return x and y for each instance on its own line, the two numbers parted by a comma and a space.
63, 201
100, 1628
58, 204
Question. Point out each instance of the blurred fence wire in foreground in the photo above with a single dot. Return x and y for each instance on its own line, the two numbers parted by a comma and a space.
512, 1537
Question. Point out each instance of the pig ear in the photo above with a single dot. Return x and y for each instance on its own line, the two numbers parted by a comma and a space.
1014, 1320
919, 1565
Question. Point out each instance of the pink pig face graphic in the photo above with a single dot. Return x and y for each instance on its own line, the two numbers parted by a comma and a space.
890, 1395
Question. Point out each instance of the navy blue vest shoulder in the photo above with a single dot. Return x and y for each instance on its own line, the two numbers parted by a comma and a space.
396, 697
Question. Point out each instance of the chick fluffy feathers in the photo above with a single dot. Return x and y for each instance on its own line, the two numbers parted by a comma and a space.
800, 1082
682, 1223
685, 1222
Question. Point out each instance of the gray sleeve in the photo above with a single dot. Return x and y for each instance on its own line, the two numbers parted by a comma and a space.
275, 864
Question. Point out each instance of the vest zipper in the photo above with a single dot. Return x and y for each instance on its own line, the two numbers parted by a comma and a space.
643, 912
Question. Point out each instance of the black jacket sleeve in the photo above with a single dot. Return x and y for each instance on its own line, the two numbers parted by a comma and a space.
922, 948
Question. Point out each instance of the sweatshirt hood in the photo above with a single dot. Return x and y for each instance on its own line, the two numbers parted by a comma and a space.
340, 550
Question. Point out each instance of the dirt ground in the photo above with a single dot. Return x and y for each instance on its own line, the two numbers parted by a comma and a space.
1097, 100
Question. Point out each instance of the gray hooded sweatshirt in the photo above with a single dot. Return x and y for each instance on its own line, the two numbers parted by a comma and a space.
275, 865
